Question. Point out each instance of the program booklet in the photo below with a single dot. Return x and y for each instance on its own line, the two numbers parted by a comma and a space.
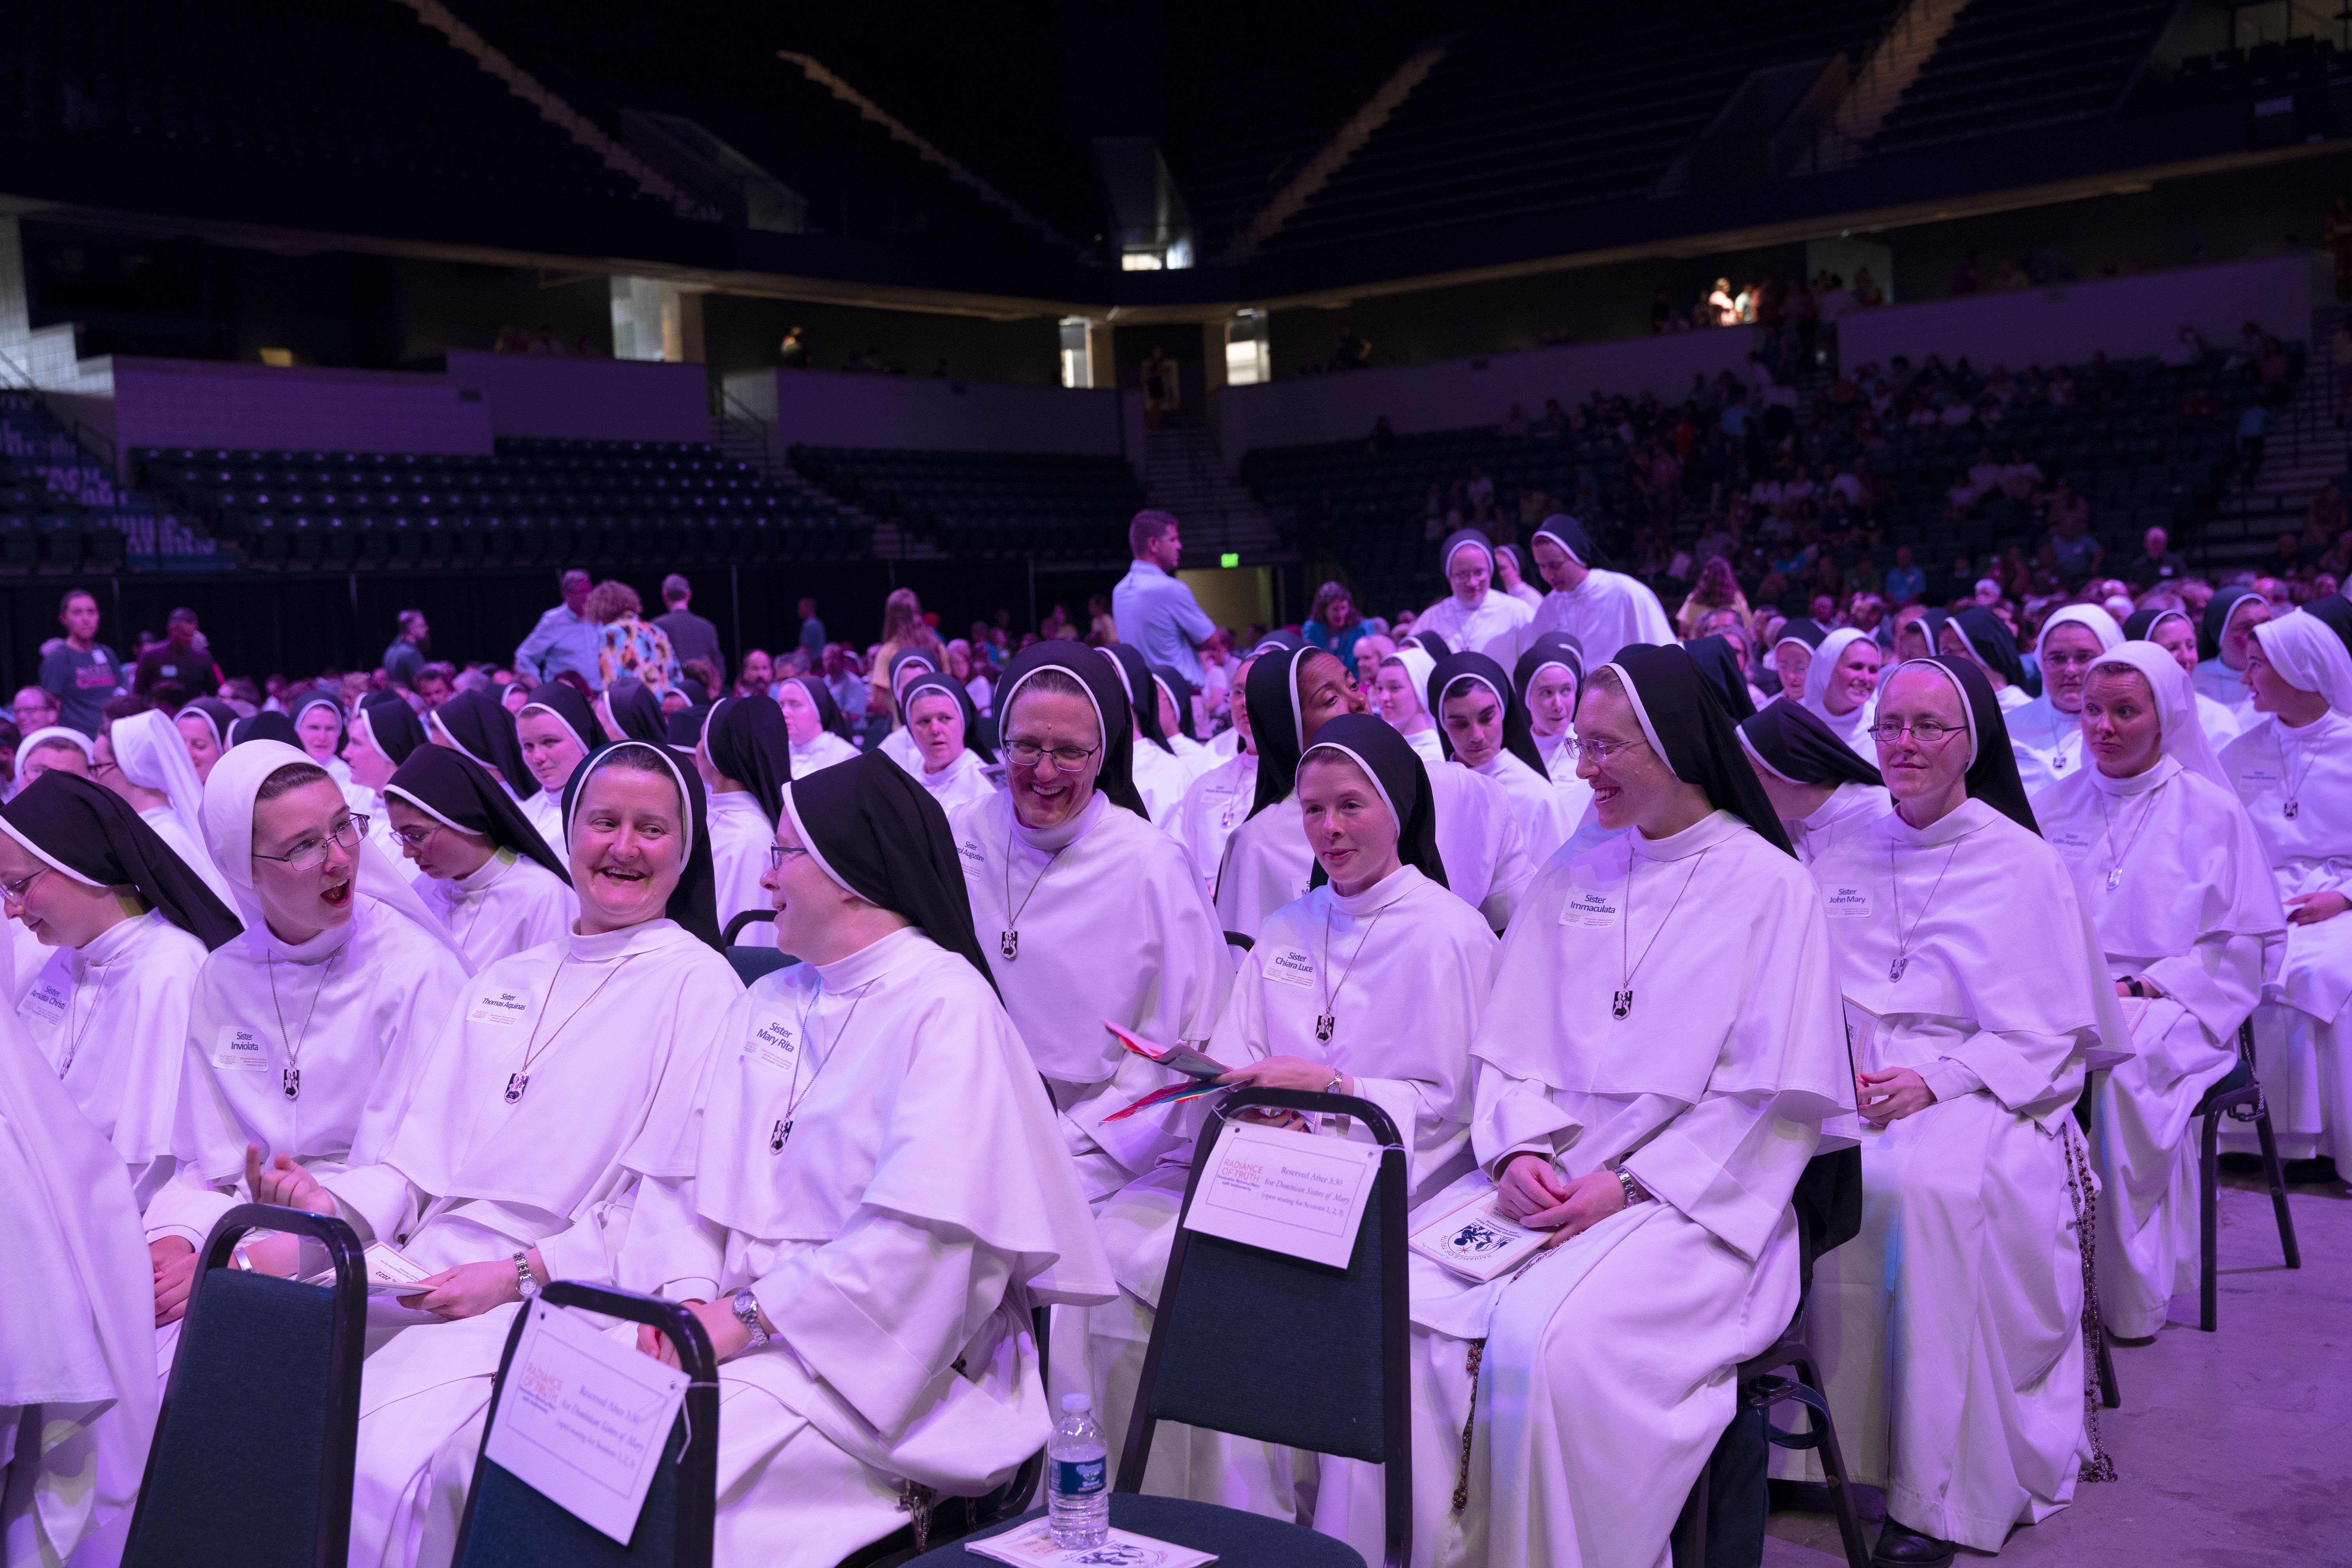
1476, 1241
1032, 1546
1201, 1072
389, 1271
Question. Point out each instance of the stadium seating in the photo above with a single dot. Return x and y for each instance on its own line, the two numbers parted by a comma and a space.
2267, 70
1569, 110
988, 504
2014, 65
532, 502
58, 508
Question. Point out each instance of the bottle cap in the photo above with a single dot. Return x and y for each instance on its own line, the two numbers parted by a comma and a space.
1074, 1404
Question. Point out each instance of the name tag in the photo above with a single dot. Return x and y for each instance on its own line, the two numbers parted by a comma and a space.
499, 1009
772, 1043
971, 851
46, 1001
1847, 901
1593, 908
1292, 968
2070, 844
2257, 777
235, 1048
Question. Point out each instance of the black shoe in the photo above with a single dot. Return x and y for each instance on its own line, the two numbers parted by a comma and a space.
2241, 1165
1900, 1546
2308, 1172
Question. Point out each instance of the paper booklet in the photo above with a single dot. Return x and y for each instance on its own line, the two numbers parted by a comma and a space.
1032, 1546
1476, 1241
1201, 1072
1864, 1030
389, 1271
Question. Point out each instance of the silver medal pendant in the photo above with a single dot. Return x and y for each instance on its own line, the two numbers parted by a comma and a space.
1621, 1003
2294, 809
781, 1135
291, 1083
1894, 970
2114, 879
516, 1083
1008, 942
1324, 1023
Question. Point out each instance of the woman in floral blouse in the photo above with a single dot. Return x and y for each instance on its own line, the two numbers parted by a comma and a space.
630, 644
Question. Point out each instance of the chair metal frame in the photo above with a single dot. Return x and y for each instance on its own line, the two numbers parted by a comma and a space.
1389, 1193
2243, 1103
338, 1441
698, 1482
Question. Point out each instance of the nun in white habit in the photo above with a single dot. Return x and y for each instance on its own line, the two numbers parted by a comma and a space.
318, 1016
556, 730
2047, 732
1217, 802
1267, 863
820, 734
2226, 639
1485, 728
152, 756
2167, 867
1950, 1332
1649, 1085
2176, 634
486, 873
1602, 608
744, 757
1475, 617
1160, 776
905, 666
953, 758
1090, 912
1399, 694
498, 1168
1549, 679
127, 925
864, 1195
77, 1353
385, 732
1842, 687
2292, 768
1984, 639
1821, 789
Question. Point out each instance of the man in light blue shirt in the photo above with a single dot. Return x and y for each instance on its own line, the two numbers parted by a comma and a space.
565, 639
1154, 611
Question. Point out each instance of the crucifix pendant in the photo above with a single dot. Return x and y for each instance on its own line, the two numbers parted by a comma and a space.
516, 1083
1894, 970
291, 1082
781, 1135
2294, 809
1324, 1023
1008, 942
2114, 879
1621, 1003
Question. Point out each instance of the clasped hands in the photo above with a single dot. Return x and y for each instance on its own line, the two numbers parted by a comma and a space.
1534, 1195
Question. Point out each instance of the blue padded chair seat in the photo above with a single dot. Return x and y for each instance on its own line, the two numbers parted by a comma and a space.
1240, 1540
2238, 1077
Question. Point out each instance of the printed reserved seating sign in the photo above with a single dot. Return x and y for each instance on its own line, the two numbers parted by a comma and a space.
1286, 1192
582, 1418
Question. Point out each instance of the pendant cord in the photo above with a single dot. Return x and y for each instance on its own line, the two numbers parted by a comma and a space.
1625, 927
2294, 792
1331, 992
531, 1049
1894, 878
294, 1052
74, 1037
1013, 914
2114, 854
794, 1094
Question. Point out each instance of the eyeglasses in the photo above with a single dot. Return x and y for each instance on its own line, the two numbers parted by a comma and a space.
776, 852
1599, 751
1029, 754
15, 890
414, 837
311, 853
1927, 733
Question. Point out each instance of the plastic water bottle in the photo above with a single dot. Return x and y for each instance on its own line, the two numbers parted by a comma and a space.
1077, 1477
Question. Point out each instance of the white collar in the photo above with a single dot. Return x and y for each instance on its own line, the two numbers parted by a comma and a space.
1379, 896
870, 963
115, 940
1705, 834
1048, 840
501, 860
2140, 783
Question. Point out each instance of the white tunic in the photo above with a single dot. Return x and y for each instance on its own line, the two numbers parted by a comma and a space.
545, 812
76, 1335
1427, 745
1267, 863
741, 835
1849, 806
1110, 924
2169, 870
175, 833
1605, 612
1542, 812
1950, 1331
456, 1172
2301, 1055
822, 753
1211, 808
2047, 742
899, 746
1497, 625
509, 904
355, 1008
111, 1020
1712, 1092
1160, 778
962, 781
2226, 687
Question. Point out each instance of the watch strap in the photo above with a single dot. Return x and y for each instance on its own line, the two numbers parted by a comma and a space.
746, 1308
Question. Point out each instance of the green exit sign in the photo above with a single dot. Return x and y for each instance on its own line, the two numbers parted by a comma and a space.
1230, 559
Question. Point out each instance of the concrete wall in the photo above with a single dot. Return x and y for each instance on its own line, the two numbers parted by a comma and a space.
588, 399
1453, 394
829, 408
2127, 317
197, 403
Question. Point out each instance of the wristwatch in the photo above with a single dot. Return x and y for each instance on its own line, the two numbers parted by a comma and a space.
524, 1282
1338, 1079
1633, 1193
746, 1308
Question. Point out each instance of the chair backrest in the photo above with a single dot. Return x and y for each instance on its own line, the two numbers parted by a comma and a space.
508, 1524
752, 963
1263, 1345
265, 1381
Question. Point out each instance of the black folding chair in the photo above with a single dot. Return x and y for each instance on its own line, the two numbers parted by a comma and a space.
2239, 1097
1342, 1390
509, 1524
752, 963
251, 1466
